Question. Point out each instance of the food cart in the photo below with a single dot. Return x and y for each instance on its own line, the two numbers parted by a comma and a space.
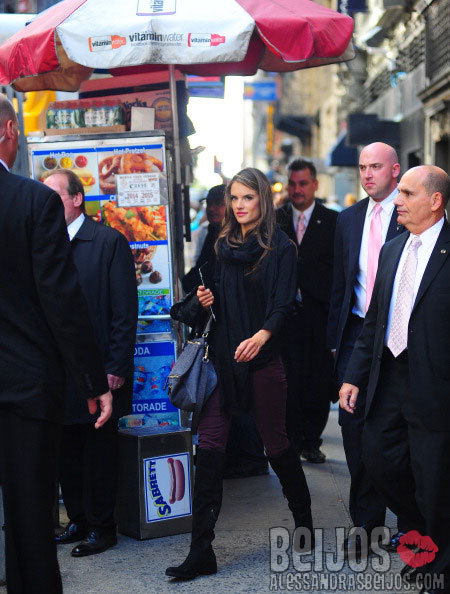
127, 180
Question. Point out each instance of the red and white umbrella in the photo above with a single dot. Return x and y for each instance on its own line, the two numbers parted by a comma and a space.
61, 46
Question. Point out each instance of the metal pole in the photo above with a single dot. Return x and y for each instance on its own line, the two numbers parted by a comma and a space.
176, 129
176, 143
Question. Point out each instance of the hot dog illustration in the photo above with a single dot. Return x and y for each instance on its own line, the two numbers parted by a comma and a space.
177, 480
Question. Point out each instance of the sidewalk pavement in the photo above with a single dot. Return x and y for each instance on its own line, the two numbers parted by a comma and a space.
250, 508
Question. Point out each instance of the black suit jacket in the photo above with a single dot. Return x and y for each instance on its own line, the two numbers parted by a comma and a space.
314, 254
349, 230
44, 322
428, 334
107, 276
314, 274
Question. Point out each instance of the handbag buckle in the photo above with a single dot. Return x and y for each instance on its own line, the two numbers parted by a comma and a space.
206, 355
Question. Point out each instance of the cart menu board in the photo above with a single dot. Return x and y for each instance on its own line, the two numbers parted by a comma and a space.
125, 186
151, 405
138, 209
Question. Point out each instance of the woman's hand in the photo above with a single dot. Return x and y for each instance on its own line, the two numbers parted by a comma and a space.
249, 348
205, 297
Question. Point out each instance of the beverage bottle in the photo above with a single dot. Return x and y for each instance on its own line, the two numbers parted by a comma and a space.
88, 114
51, 115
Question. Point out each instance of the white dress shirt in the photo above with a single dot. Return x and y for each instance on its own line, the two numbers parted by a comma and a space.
4, 164
428, 239
307, 214
387, 207
74, 226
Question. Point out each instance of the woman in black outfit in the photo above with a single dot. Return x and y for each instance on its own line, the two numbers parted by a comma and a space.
255, 292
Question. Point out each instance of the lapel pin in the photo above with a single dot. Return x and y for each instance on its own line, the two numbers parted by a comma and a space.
443, 251
318, 221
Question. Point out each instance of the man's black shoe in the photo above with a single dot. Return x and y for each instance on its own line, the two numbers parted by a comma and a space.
393, 543
72, 533
95, 543
313, 455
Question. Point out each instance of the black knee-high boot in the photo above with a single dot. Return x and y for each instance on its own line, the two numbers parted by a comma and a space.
289, 470
205, 511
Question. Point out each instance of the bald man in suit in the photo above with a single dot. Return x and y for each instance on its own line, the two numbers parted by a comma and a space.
350, 296
402, 358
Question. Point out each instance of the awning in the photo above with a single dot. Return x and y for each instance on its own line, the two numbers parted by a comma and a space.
373, 37
364, 128
299, 126
351, 6
342, 155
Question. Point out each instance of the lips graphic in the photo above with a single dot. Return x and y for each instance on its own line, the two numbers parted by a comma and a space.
416, 550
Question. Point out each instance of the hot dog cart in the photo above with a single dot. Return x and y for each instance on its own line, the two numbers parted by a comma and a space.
127, 182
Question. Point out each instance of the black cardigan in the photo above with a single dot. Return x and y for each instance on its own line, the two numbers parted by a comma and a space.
277, 275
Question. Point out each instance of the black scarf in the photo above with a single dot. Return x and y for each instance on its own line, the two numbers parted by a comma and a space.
234, 324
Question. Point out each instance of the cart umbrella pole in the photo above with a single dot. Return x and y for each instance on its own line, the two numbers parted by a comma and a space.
176, 143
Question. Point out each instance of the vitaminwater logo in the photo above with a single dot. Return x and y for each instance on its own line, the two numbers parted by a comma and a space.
106, 42
150, 37
205, 39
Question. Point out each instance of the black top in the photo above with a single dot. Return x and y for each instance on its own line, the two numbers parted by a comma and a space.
244, 304
257, 304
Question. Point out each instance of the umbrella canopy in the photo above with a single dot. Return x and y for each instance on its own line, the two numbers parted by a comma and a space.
61, 46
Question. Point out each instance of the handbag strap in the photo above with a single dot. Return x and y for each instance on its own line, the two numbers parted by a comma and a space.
200, 399
207, 327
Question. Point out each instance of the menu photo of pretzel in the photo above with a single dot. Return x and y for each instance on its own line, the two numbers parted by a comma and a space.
124, 161
139, 223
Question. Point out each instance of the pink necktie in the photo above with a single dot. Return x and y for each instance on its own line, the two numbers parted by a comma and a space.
398, 334
375, 241
301, 228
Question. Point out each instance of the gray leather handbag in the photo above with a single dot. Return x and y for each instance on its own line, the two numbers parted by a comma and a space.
193, 377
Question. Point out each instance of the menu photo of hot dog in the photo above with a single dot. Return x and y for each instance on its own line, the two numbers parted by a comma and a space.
168, 487
82, 162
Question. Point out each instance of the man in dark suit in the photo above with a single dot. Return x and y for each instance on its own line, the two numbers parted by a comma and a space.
44, 328
89, 458
360, 232
309, 365
403, 357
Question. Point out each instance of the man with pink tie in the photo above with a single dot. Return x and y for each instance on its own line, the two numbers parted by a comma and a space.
361, 231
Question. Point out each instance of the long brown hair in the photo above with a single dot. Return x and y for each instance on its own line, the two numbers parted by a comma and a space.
265, 226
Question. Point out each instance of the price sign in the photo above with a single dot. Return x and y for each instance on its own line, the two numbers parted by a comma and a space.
138, 189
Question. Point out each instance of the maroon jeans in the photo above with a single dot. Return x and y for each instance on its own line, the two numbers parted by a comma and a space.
268, 406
